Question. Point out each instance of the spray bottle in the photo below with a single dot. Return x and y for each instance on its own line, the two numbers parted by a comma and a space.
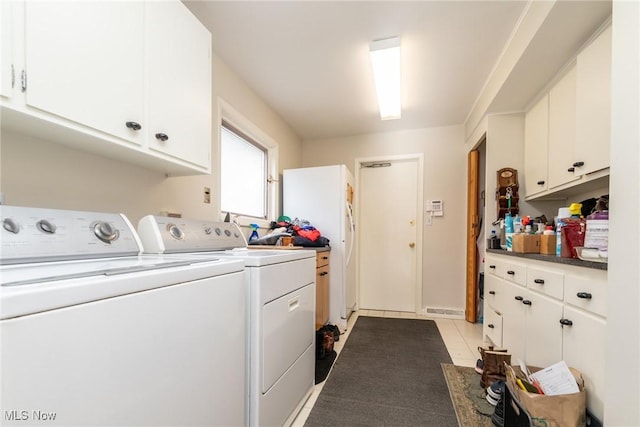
254, 233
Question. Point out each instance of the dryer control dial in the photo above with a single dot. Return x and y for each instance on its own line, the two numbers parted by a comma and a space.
11, 225
105, 231
175, 231
46, 226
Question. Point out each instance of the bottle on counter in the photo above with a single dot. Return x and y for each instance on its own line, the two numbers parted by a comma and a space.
508, 231
562, 214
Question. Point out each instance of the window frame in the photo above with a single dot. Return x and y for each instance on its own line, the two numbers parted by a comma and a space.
245, 128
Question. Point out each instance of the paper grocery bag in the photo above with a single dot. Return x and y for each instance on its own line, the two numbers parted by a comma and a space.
565, 410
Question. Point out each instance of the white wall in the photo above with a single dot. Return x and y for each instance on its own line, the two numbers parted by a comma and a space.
623, 321
231, 89
445, 165
41, 173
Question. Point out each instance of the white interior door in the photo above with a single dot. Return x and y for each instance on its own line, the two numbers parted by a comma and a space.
388, 235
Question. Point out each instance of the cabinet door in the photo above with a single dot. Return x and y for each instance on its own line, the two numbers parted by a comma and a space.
562, 130
543, 345
85, 62
179, 83
536, 139
322, 296
7, 71
583, 348
513, 321
493, 291
594, 105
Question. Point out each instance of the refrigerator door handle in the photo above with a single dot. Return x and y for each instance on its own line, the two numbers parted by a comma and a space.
352, 228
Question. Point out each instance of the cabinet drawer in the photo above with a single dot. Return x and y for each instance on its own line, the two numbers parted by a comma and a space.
493, 326
516, 273
493, 266
322, 259
587, 292
492, 291
546, 281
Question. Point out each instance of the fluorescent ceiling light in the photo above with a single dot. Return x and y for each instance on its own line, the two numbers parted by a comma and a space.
385, 60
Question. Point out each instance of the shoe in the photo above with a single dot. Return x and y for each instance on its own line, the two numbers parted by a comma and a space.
479, 366
497, 419
495, 392
493, 367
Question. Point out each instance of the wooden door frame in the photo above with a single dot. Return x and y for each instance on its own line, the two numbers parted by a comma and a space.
473, 229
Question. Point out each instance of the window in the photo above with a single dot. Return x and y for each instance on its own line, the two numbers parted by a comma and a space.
244, 176
248, 169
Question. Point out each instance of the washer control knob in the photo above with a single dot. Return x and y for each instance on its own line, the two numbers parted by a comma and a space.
227, 233
218, 231
46, 226
175, 232
207, 230
105, 231
11, 225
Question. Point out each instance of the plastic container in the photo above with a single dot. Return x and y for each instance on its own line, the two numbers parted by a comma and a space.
597, 231
508, 223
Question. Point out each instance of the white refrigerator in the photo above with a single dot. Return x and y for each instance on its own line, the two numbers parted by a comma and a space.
324, 196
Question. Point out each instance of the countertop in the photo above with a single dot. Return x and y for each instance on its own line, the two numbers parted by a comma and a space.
552, 258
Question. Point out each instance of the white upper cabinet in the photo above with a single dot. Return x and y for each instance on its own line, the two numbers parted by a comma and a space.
179, 83
129, 80
575, 136
562, 130
536, 147
594, 105
85, 62
7, 69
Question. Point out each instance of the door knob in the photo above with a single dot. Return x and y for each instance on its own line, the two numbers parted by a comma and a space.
412, 245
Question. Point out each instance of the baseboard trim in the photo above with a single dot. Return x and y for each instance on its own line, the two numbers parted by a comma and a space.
448, 313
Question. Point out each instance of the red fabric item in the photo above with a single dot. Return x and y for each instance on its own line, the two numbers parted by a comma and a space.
309, 234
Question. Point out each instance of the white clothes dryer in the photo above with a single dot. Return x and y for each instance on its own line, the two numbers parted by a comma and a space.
92, 333
281, 309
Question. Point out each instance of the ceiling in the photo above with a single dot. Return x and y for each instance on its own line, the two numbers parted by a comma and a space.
308, 60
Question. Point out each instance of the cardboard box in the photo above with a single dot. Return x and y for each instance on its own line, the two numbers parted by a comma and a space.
526, 243
548, 244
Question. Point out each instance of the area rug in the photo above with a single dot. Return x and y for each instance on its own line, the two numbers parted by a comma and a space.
472, 409
387, 374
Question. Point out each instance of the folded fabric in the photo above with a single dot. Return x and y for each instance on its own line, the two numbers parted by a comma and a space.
303, 241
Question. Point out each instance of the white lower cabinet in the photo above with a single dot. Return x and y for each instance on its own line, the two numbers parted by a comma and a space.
546, 312
583, 347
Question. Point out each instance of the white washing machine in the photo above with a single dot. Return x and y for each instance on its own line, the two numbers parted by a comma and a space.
281, 315
92, 333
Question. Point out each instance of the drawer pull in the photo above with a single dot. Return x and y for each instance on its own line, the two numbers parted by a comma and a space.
539, 281
492, 292
519, 298
571, 170
490, 325
526, 302
584, 295
325, 257
294, 303
511, 272
162, 137
492, 267
540, 183
566, 322
133, 125
578, 164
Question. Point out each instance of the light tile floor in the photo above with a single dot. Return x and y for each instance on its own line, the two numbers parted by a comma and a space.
461, 338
